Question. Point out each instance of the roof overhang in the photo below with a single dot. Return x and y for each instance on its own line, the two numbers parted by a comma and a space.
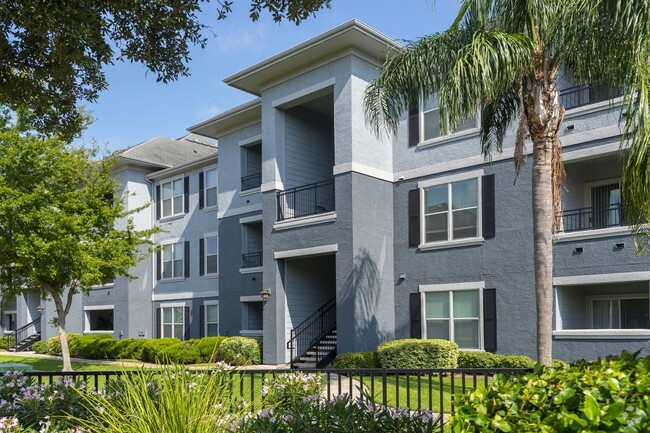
351, 37
231, 120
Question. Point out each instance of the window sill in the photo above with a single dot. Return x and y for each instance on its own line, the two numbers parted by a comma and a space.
171, 218
171, 280
210, 208
305, 221
251, 333
449, 138
451, 244
98, 332
210, 276
602, 334
592, 234
251, 270
251, 191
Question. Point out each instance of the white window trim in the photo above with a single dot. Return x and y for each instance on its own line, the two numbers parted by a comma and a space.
449, 136
205, 316
160, 202
244, 319
422, 185
205, 188
7, 312
166, 242
454, 287
162, 322
205, 254
87, 329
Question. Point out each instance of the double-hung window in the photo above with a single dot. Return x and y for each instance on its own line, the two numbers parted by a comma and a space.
424, 122
173, 257
211, 318
454, 315
212, 255
173, 322
172, 197
210, 187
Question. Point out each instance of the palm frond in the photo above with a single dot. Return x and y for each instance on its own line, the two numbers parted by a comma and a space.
496, 116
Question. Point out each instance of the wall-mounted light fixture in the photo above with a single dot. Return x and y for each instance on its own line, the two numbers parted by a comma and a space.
402, 276
265, 294
40, 309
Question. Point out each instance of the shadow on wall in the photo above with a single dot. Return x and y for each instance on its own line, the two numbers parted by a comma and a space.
362, 289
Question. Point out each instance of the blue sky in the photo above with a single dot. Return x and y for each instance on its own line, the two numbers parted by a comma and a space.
135, 107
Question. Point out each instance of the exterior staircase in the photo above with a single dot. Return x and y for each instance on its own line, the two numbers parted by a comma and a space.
313, 342
25, 336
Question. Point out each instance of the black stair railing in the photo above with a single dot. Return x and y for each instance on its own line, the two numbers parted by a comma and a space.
25, 332
311, 331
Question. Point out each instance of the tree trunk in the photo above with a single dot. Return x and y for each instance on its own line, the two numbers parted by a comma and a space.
543, 246
63, 334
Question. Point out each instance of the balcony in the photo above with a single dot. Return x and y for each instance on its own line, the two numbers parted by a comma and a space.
578, 96
593, 218
306, 200
251, 181
251, 260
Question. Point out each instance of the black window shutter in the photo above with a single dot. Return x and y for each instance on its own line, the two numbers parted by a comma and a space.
414, 217
186, 194
202, 321
158, 333
201, 191
415, 305
490, 320
187, 259
158, 265
187, 323
201, 257
414, 125
488, 208
158, 203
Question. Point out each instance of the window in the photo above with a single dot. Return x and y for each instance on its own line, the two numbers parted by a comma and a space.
606, 205
454, 315
212, 255
173, 256
173, 322
99, 319
211, 319
450, 211
620, 312
251, 164
172, 197
9, 321
424, 122
252, 316
210, 187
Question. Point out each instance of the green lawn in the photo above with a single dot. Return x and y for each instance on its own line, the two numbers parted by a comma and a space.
42, 364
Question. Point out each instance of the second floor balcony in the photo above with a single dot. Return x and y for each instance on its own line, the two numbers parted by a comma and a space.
594, 218
578, 96
305, 200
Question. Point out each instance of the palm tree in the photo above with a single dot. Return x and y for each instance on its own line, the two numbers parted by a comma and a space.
504, 57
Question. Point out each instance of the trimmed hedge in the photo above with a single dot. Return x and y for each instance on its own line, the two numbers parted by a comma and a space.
239, 351
356, 360
608, 395
162, 350
412, 353
492, 360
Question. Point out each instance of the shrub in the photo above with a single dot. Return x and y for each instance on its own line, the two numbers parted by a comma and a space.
356, 360
341, 414
42, 347
93, 346
414, 353
589, 396
151, 350
53, 345
208, 347
286, 390
7, 342
468, 359
183, 352
239, 351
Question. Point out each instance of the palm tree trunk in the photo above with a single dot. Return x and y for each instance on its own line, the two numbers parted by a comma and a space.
543, 245
63, 333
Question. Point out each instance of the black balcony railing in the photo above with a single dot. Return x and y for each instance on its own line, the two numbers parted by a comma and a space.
251, 260
592, 218
578, 96
306, 200
251, 181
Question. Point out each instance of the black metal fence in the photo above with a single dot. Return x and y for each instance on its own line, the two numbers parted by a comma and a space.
578, 96
251, 181
432, 389
306, 200
592, 218
251, 260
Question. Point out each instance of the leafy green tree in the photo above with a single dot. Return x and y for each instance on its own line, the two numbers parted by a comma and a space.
52, 53
63, 228
504, 57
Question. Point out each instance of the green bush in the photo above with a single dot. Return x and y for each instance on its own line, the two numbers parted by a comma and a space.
208, 347
239, 351
53, 345
42, 347
92, 346
588, 396
151, 350
356, 360
6, 342
183, 352
413, 353
126, 348
468, 359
